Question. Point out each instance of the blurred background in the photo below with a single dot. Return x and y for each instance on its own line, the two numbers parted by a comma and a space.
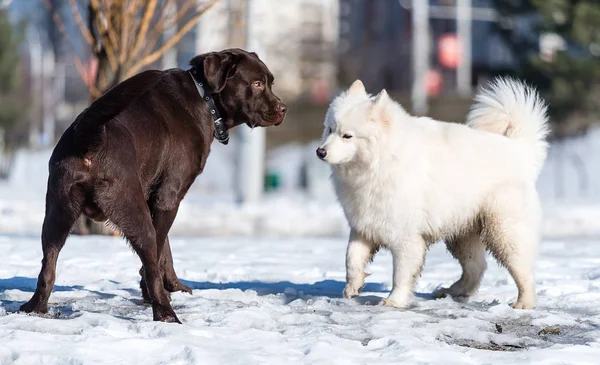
57, 56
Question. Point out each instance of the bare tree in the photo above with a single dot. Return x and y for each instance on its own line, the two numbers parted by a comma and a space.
125, 36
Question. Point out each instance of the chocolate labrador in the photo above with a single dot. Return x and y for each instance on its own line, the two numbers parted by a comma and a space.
131, 156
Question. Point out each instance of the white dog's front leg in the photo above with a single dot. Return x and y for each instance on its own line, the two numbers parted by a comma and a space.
359, 252
408, 258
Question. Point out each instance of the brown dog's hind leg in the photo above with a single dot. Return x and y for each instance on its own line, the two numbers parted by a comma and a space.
170, 279
63, 207
164, 205
172, 282
128, 210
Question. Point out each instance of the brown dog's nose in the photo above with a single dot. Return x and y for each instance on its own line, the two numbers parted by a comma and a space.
321, 153
281, 108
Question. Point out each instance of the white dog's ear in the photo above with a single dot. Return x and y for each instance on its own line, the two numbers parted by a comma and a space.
357, 87
381, 108
382, 98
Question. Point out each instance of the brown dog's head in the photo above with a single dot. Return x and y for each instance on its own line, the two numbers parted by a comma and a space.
242, 85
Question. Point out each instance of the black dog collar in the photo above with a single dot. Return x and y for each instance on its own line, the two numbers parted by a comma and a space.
221, 133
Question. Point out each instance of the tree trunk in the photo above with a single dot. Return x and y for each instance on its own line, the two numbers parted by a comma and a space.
106, 77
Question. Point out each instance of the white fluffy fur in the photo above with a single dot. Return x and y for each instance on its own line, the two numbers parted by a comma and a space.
405, 182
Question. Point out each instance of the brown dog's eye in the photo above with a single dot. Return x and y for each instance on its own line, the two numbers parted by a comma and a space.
258, 84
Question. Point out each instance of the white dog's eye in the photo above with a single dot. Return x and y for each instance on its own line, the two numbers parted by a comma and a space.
347, 136
329, 130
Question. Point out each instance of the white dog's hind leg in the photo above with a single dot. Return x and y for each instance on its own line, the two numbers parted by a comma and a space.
512, 236
470, 252
519, 260
408, 258
358, 254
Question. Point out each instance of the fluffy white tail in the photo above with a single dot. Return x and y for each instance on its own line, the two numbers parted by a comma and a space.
515, 110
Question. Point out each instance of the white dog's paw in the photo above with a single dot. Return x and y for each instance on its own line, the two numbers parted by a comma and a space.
444, 292
395, 304
523, 304
350, 291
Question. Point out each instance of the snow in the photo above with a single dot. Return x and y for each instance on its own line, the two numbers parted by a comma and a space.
274, 301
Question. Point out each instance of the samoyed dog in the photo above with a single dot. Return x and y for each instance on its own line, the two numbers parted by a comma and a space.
405, 182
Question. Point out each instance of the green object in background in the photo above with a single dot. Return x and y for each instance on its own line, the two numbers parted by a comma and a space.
12, 107
272, 181
569, 78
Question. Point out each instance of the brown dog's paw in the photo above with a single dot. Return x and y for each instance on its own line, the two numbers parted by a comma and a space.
164, 315
441, 293
31, 307
170, 319
177, 285
145, 294
184, 288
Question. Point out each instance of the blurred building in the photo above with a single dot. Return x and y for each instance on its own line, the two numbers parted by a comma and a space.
56, 91
297, 39
310, 45
376, 36
374, 44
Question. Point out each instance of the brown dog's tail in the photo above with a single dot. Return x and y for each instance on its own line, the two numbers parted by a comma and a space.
89, 124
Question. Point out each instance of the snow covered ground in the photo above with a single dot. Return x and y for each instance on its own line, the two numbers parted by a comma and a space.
273, 301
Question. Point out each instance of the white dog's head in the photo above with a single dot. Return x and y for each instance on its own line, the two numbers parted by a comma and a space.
353, 124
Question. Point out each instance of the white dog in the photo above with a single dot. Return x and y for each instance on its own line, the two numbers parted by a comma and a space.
405, 182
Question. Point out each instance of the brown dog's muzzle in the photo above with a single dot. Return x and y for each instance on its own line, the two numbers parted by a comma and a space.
281, 110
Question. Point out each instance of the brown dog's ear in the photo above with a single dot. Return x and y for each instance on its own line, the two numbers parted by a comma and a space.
217, 68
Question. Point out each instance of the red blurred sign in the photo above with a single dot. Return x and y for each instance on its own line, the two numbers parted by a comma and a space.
88, 71
320, 92
435, 82
449, 50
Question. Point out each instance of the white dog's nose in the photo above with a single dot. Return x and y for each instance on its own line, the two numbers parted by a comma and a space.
321, 153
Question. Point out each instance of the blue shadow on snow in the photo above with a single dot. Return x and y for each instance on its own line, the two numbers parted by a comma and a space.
327, 288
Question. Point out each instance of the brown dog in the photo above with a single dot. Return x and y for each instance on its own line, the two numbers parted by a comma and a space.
132, 155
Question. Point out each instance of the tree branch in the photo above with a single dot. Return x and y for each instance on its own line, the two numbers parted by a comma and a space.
108, 27
134, 9
55, 18
97, 46
79, 20
108, 39
162, 25
159, 28
171, 42
126, 20
94, 92
144, 25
